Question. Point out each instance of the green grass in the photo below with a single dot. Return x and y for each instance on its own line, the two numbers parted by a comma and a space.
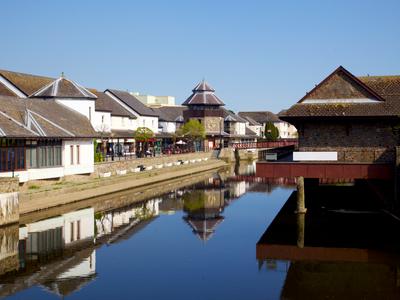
34, 187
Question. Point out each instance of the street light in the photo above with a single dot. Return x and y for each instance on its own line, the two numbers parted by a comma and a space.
221, 123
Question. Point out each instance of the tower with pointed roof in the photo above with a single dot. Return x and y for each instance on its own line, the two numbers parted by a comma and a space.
206, 107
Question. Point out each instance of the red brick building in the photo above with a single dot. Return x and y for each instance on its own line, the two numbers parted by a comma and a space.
357, 117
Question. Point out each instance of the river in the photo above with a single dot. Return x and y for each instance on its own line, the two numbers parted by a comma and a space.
228, 236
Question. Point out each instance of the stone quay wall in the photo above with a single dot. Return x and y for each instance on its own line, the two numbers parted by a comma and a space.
9, 202
9, 236
118, 165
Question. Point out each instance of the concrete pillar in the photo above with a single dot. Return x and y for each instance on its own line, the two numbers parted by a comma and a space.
301, 207
301, 217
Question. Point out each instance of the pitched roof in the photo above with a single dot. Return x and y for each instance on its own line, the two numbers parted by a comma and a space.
27, 83
203, 94
250, 132
203, 87
106, 103
133, 103
38, 117
64, 88
4, 91
204, 228
385, 90
341, 84
260, 116
229, 115
170, 113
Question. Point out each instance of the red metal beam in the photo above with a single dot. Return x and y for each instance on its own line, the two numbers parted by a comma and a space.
325, 170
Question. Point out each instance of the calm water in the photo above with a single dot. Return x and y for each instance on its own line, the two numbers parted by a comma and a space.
224, 237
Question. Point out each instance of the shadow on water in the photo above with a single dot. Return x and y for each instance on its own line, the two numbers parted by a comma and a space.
344, 247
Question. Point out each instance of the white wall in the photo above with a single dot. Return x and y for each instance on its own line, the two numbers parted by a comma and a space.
86, 157
102, 121
82, 106
86, 219
169, 127
149, 122
85, 268
123, 123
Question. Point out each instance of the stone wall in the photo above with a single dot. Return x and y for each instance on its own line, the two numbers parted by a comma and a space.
9, 249
9, 204
9, 185
356, 141
148, 161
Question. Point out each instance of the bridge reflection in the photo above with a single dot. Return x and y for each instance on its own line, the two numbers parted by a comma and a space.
345, 247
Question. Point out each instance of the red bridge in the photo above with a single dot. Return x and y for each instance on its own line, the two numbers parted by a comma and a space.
258, 145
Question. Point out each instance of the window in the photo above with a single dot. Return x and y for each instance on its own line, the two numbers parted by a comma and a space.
72, 154
78, 230
12, 155
78, 161
72, 231
102, 118
43, 153
90, 113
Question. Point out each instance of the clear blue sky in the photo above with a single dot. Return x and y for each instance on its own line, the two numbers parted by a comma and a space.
258, 55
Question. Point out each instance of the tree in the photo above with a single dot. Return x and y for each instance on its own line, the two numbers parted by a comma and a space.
143, 135
193, 130
98, 156
271, 132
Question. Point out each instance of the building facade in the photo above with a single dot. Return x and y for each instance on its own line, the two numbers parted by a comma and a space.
356, 118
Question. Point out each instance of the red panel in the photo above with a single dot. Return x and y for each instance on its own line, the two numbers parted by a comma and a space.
335, 171
324, 170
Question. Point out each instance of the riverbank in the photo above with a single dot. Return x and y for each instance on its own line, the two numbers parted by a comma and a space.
62, 193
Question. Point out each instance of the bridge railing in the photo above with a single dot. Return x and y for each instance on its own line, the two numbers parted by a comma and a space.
265, 144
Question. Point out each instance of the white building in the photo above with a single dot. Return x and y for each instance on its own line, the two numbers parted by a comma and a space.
47, 127
145, 116
258, 119
155, 101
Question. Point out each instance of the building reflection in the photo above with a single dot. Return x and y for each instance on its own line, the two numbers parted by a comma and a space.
59, 253
203, 206
347, 253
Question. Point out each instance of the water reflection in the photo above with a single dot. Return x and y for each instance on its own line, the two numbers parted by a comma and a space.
329, 252
59, 253
347, 253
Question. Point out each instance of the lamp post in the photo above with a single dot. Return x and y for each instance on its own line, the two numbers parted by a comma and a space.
221, 123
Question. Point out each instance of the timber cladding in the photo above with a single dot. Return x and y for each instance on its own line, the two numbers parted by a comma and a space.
355, 141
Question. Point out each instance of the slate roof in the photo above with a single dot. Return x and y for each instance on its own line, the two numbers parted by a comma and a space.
203, 94
204, 228
26, 83
105, 103
384, 89
41, 118
250, 132
232, 116
63, 88
5, 91
251, 121
133, 103
260, 116
170, 113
